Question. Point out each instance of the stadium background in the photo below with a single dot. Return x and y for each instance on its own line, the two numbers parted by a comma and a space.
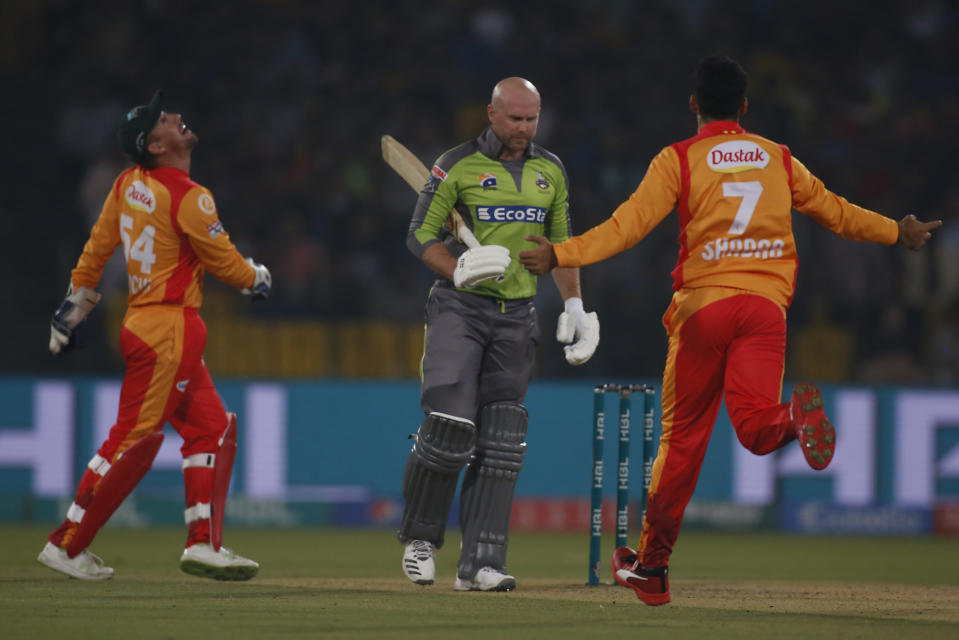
290, 100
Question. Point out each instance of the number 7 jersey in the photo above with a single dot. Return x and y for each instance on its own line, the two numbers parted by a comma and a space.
734, 193
171, 234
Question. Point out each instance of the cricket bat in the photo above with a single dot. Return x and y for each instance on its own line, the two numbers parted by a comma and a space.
416, 174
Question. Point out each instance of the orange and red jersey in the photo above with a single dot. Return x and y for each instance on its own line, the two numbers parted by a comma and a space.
734, 192
171, 234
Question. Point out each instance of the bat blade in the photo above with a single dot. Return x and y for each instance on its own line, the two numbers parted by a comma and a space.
415, 173
403, 162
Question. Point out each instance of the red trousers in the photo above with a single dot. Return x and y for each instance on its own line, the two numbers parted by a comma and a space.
720, 341
166, 380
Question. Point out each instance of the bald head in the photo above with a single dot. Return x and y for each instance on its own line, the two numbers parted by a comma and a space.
514, 114
512, 89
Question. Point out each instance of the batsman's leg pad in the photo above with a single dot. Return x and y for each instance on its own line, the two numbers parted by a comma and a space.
442, 447
487, 494
121, 478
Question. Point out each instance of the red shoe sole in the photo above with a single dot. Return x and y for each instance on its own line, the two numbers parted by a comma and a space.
815, 432
636, 584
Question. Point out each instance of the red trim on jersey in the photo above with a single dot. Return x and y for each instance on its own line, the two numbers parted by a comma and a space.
718, 127
788, 166
682, 210
178, 183
119, 181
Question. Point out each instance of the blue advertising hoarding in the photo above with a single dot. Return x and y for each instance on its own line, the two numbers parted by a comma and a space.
330, 442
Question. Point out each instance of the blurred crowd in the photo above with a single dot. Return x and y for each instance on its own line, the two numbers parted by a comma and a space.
290, 99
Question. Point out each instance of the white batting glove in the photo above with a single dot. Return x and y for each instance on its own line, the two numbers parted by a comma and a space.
72, 311
575, 324
262, 283
480, 263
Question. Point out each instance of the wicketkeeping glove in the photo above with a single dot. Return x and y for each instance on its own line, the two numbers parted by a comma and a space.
481, 263
575, 324
262, 283
69, 315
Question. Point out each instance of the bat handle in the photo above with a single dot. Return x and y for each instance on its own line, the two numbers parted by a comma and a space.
466, 237
463, 232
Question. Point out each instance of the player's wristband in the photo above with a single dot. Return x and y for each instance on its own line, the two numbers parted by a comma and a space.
572, 304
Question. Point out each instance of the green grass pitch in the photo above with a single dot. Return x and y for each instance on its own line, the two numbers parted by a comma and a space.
326, 583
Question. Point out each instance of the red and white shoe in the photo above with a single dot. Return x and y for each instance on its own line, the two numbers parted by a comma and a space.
815, 433
623, 558
651, 585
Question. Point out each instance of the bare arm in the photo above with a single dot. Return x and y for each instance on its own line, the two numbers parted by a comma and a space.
567, 282
438, 258
471, 268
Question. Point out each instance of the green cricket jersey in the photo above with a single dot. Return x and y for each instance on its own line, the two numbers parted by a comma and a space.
501, 202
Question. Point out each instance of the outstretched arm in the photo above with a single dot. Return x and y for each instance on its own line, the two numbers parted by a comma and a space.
913, 233
541, 259
811, 197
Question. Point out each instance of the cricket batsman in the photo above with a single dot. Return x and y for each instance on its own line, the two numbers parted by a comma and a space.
482, 330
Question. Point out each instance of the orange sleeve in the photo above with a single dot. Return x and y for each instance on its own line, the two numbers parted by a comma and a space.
652, 201
811, 197
198, 219
103, 241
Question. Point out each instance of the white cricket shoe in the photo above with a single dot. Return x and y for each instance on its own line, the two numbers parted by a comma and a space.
418, 562
84, 566
201, 560
486, 579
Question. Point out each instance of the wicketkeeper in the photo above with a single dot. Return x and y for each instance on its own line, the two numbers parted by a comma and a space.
171, 235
